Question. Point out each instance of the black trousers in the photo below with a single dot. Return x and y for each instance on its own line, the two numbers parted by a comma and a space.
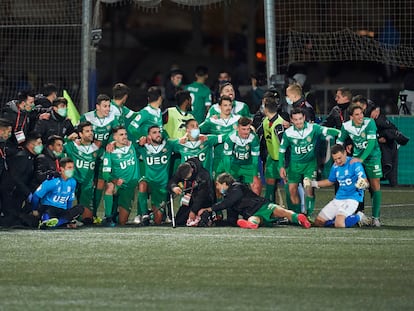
68, 214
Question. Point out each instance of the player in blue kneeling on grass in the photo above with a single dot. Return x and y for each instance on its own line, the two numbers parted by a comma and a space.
352, 182
53, 199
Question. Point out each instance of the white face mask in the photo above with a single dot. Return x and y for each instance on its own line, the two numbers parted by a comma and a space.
69, 173
195, 133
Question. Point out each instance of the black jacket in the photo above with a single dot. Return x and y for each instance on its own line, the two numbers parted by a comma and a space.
239, 200
56, 125
199, 185
19, 178
307, 109
338, 115
45, 166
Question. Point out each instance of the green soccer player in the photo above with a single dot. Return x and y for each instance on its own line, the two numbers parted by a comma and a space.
241, 150
301, 137
223, 124
198, 146
156, 154
84, 153
121, 173
363, 133
102, 124
148, 116
200, 94
120, 94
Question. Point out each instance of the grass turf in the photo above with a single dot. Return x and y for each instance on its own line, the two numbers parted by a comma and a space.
160, 268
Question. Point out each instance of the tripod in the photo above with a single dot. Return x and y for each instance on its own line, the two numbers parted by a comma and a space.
403, 105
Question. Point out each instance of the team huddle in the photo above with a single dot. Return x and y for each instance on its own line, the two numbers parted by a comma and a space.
208, 158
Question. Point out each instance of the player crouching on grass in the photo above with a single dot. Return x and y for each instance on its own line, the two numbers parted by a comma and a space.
352, 182
239, 199
53, 199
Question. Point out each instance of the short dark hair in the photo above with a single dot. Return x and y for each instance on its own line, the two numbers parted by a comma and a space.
360, 98
181, 96
187, 122
201, 71
224, 98
64, 161
101, 98
154, 92
23, 95
225, 178
82, 125
244, 121
337, 148
5, 122
60, 100
153, 126
32, 136
183, 170
119, 90
49, 88
52, 139
117, 128
353, 107
297, 110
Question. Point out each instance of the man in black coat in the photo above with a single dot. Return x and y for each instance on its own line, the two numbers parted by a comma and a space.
17, 185
239, 199
57, 123
193, 183
47, 163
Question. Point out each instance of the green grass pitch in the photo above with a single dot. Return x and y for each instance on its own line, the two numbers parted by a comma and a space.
160, 268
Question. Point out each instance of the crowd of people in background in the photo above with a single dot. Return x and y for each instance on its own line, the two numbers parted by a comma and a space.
219, 159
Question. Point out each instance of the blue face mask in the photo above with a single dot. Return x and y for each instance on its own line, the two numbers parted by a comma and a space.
195, 133
223, 191
289, 101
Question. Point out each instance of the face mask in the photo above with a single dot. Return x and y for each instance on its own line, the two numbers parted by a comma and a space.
30, 108
223, 191
38, 149
63, 112
195, 133
261, 108
57, 154
3, 139
69, 173
289, 101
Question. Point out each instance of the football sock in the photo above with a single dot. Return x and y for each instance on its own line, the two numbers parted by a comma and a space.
97, 200
376, 203
310, 205
351, 220
295, 218
296, 208
301, 193
270, 192
108, 202
61, 221
329, 223
142, 203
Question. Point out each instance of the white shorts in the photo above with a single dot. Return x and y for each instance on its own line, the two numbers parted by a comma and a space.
338, 207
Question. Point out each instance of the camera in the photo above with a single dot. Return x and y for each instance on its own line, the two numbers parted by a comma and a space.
96, 36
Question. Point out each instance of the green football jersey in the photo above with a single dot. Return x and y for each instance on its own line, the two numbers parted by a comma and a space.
217, 126
102, 127
124, 114
242, 151
239, 108
144, 119
201, 150
302, 142
157, 161
201, 99
84, 157
121, 163
361, 136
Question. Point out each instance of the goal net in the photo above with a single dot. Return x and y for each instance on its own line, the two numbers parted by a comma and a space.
345, 30
40, 42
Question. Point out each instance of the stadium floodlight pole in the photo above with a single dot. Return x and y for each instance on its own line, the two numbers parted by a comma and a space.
85, 55
270, 34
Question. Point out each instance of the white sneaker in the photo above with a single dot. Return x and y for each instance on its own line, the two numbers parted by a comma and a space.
363, 220
167, 220
375, 222
137, 220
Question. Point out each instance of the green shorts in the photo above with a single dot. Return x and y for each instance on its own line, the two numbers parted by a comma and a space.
297, 171
271, 168
125, 196
159, 192
265, 212
373, 168
244, 174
